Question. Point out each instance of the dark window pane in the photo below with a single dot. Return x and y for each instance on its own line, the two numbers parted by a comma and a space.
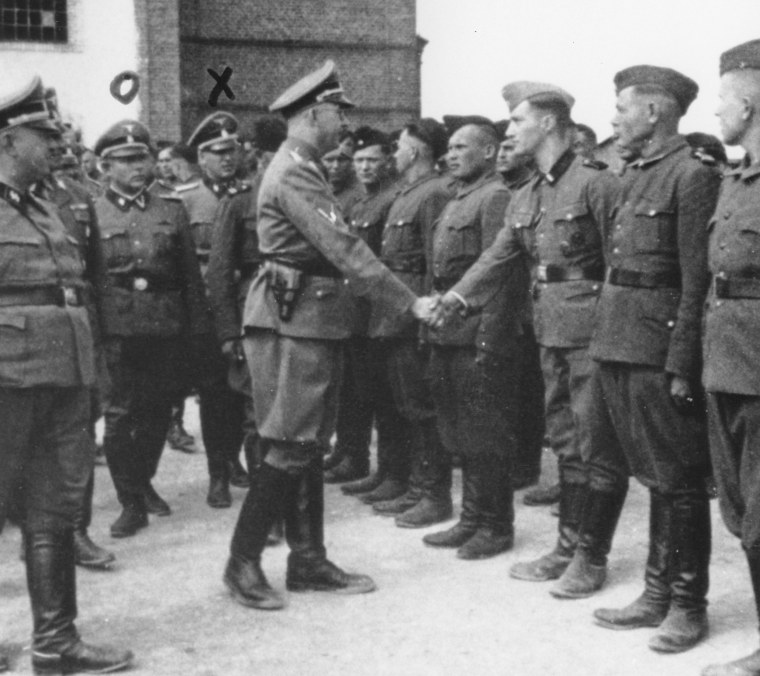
35, 18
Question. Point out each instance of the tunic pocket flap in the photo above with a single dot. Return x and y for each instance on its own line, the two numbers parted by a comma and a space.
571, 212
653, 209
13, 321
522, 219
110, 234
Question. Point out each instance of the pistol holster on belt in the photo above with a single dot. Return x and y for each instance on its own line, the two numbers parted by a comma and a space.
285, 283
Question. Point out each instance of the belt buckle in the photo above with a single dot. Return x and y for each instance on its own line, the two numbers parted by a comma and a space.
139, 284
69, 295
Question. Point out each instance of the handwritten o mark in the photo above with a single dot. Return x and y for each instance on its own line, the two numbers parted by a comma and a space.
119, 80
220, 86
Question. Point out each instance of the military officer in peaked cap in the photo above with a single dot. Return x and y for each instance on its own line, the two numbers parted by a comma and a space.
647, 342
47, 371
215, 140
731, 372
154, 299
296, 318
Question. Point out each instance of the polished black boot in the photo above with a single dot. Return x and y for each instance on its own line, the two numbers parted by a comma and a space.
56, 645
87, 553
219, 496
431, 476
154, 503
691, 541
495, 532
365, 485
552, 565
649, 609
465, 528
133, 517
587, 571
239, 476
308, 567
261, 508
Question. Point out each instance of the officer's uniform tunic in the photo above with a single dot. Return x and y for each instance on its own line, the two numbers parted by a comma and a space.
731, 358
153, 300
47, 364
559, 220
296, 362
650, 312
222, 409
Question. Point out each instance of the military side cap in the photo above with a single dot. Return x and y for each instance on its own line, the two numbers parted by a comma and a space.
268, 133
30, 105
319, 86
431, 132
216, 132
741, 57
683, 89
367, 137
124, 139
515, 93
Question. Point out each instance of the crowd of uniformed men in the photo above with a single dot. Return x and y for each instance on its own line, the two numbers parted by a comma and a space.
469, 290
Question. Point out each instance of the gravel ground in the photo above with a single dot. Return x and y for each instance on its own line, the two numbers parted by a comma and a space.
432, 614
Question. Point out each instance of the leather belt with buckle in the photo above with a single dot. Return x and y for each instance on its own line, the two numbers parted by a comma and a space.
557, 273
644, 280
45, 295
736, 287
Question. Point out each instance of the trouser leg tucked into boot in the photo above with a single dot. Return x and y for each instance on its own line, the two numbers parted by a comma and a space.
649, 609
465, 528
261, 509
587, 571
495, 532
51, 578
552, 565
88, 554
308, 567
686, 622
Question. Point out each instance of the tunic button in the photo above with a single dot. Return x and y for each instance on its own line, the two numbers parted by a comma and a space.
569, 217
320, 293
595, 287
616, 250
719, 303
618, 227
671, 324
652, 212
137, 242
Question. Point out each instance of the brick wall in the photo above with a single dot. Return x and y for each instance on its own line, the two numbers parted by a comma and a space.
269, 44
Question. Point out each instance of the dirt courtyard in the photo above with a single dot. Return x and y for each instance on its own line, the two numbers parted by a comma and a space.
433, 614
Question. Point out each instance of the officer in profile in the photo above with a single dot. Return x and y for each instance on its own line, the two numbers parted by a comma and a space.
47, 371
296, 319
154, 303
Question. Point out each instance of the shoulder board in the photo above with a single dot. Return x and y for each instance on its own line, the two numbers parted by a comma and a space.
703, 157
594, 164
185, 187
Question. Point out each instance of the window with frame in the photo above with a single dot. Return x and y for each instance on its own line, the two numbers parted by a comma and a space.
34, 21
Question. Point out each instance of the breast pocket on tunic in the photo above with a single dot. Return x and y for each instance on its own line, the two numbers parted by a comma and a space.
117, 247
573, 229
401, 236
654, 227
523, 223
164, 239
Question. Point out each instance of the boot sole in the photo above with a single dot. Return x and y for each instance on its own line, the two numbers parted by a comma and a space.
59, 669
127, 533
627, 627
672, 650
299, 588
271, 604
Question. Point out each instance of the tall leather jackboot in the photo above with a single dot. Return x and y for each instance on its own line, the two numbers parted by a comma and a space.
308, 566
431, 476
87, 553
552, 565
51, 578
262, 506
587, 571
649, 609
252, 449
691, 541
465, 528
496, 516
750, 664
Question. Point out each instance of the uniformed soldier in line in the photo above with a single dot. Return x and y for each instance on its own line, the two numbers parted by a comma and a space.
365, 393
585, 141
164, 174
77, 212
47, 372
339, 164
558, 221
731, 373
407, 241
516, 171
473, 361
234, 260
154, 304
222, 409
647, 343
296, 319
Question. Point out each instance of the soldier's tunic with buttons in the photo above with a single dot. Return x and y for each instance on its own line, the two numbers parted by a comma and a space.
46, 363
295, 363
153, 300
650, 311
731, 373
557, 223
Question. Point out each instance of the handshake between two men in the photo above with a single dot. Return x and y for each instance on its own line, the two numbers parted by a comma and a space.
438, 310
